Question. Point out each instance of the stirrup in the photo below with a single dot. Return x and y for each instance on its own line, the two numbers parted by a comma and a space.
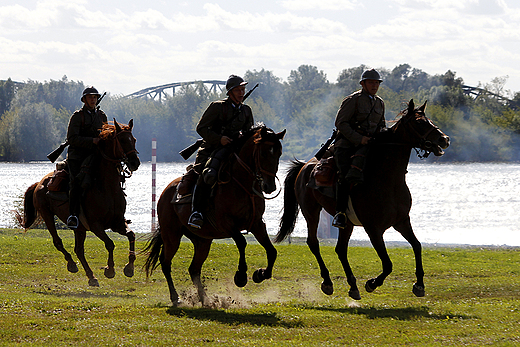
72, 222
196, 220
340, 220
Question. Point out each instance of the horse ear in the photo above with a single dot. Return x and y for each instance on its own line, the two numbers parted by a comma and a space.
281, 134
131, 123
118, 128
423, 106
411, 106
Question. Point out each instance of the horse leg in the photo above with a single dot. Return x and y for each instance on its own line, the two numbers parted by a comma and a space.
314, 245
110, 271
79, 248
405, 228
376, 238
129, 267
200, 254
171, 243
48, 218
342, 251
261, 236
241, 274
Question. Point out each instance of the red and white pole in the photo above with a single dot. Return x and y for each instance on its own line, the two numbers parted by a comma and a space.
154, 168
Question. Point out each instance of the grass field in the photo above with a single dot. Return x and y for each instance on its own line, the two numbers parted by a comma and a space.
472, 298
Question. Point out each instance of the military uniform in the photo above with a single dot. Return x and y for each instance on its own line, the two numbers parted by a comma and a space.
84, 125
223, 118
360, 114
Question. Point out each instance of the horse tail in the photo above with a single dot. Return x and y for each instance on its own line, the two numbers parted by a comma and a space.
29, 211
290, 204
154, 249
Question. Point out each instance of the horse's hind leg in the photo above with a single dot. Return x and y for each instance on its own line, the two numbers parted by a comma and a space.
201, 250
171, 243
342, 252
405, 228
376, 238
58, 243
79, 248
314, 245
263, 238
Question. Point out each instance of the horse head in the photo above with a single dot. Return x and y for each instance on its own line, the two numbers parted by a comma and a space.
119, 144
262, 153
420, 130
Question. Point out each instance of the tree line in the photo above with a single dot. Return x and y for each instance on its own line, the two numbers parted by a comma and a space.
34, 115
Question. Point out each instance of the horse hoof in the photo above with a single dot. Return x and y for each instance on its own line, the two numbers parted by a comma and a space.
368, 286
354, 294
258, 276
327, 288
129, 270
176, 303
418, 290
240, 279
93, 282
72, 267
109, 272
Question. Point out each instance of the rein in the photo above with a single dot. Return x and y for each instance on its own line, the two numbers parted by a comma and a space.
119, 156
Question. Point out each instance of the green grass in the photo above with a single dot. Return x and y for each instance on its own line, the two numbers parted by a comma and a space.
472, 298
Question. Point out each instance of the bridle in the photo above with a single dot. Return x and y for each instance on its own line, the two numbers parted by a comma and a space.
424, 143
257, 176
118, 155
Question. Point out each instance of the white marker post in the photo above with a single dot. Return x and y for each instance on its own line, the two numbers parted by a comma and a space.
154, 163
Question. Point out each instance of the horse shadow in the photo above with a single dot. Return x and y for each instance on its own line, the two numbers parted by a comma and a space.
233, 318
397, 313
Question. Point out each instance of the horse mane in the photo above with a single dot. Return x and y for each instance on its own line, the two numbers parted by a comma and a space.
108, 130
253, 131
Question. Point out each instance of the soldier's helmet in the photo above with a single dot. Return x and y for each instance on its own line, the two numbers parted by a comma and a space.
90, 91
233, 82
371, 74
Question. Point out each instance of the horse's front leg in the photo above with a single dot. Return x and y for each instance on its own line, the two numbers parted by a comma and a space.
376, 238
263, 238
342, 252
129, 267
110, 271
241, 274
405, 228
79, 248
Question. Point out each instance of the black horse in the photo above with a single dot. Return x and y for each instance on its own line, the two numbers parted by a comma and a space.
381, 202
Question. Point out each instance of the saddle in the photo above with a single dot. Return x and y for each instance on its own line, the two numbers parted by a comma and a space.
59, 181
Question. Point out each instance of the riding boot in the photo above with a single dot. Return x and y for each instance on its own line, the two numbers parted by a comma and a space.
210, 172
199, 197
74, 207
342, 195
355, 173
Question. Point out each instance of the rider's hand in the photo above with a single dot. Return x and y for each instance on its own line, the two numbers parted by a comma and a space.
365, 140
224, 140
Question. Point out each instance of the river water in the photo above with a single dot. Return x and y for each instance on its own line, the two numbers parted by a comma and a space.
474, 204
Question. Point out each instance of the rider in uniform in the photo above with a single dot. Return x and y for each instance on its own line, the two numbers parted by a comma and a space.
83, 136
360, 116
222, 123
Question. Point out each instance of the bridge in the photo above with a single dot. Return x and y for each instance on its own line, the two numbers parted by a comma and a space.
476, 92
160, 92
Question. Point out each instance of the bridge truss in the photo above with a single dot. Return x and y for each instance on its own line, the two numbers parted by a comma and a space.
160, 92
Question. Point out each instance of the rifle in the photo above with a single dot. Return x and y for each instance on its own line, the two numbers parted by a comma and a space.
188, 151
52, 156
326, 145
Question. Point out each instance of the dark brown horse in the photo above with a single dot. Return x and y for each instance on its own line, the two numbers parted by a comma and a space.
103, 206
237, 204
381, 202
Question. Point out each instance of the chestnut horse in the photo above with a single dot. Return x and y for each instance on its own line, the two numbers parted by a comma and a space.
236, 205
103, 206
381, 202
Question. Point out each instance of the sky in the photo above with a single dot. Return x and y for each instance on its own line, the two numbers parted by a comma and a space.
122, 46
